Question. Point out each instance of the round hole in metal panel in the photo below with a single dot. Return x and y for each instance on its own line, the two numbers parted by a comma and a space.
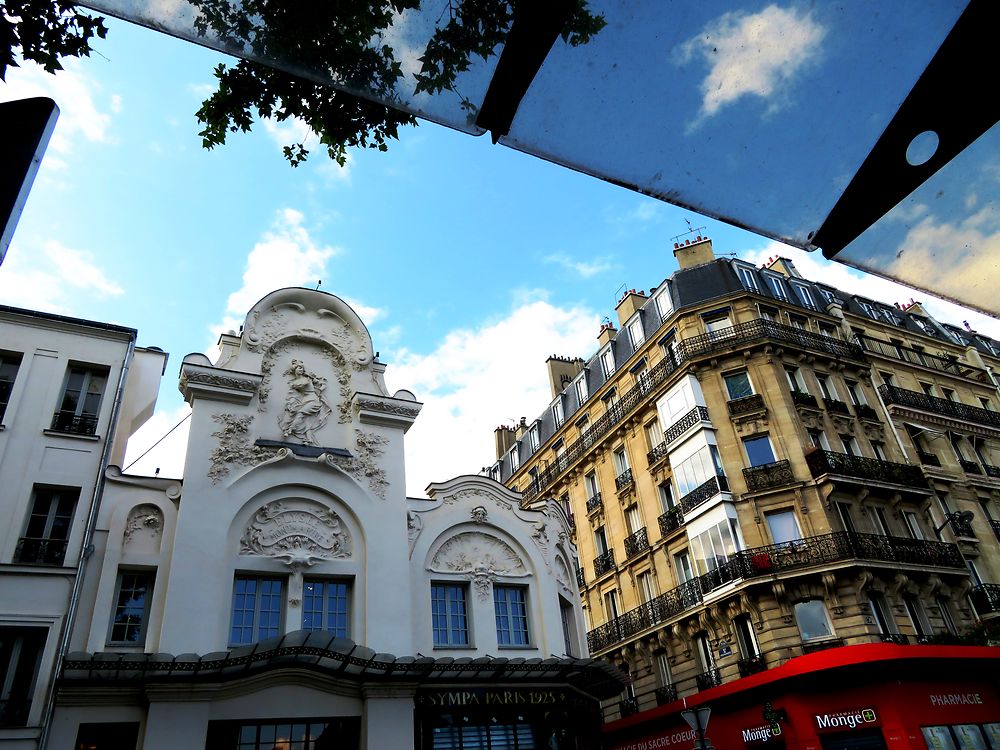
922, 148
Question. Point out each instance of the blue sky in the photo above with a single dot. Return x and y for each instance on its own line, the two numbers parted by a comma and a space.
471, 263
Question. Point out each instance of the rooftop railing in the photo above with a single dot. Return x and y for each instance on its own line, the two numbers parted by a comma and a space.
757, 562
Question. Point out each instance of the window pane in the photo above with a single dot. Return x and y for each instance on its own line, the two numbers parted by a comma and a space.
511, 615
783, 527
325, 606
759, 450
448, 615
738, 385
131, 607
812, 620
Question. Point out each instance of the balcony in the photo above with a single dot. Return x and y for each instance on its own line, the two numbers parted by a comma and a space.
581, 580
761, 331
604, 563
695, 416
628, 706
657, 454
594, 503
941, 406
898, 638
801, 398
960, 527
992, 471
709, 679
986, 598
836, 407
865, 411
32, 551
740, 407
768, 476
996, 528
811, 647
703, 493
914, 357
970, 467
670, 521
928, 459
624, 480
858, 467
666, 694
76, 424
750, 666
757, 562
636, 543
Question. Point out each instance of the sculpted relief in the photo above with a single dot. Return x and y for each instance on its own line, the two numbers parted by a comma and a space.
306, 407
297, 532
481, 557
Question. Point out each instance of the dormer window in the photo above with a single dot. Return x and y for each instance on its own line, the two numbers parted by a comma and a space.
777, 287
608, 362
533, 440
557, 413
748, 278
635, 333
580, 384
514, 459
869, 309
664, 305
805, 295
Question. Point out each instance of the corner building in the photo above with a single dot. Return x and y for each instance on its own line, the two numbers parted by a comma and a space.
287, 594
759, 467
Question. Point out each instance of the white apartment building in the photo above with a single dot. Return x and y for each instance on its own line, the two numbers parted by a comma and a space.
67, 387
288, 594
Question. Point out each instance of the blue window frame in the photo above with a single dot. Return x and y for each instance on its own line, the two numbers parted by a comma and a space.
511, 614
257, 605
325, 606
449, 615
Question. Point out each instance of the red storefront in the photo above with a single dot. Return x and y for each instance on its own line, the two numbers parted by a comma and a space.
866, 697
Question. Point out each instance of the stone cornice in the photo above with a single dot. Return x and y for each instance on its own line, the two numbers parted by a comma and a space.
388, 411
214, 384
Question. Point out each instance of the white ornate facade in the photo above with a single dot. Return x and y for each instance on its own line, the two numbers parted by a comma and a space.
270, 590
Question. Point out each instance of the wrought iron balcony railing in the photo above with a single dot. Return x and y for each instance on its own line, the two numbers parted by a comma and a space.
666, 694
986, 598
836, 406
992, 471
903, 354
685, 423
898, 638
996, 528
761, 331
631, 400
671, 520
921, 401
76, 424
969, 467
865, 411
752, 665
581, 580
708, 679
604, 563
33, 551
961, 526
593, 503
628, 706
757, 562
928, 459
703, 492
766, 476
636, 543
658, 453
624, 480
828, 462
801, 398
746, 405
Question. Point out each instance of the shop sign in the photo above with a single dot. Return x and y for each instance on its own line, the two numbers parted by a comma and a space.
839, 721
956, 699
675, 738
490, 697
759, 735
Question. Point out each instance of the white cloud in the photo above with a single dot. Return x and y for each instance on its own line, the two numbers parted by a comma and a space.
169, 455
286, 255
585, 268
477, 379
45, 279
815, 268
83, 111
202, 90
752, 55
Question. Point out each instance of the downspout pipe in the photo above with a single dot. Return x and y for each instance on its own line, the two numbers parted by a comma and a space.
86, 548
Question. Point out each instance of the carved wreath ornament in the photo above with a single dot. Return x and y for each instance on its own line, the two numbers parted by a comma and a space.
298, 533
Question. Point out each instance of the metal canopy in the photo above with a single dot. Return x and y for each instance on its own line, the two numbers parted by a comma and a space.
830, 125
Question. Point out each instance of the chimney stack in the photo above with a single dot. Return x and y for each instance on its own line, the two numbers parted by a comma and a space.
562, 370
694, 253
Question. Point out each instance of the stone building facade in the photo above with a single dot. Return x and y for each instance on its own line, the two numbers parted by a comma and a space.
758, 466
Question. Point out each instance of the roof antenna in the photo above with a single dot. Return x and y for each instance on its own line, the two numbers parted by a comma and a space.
319, 283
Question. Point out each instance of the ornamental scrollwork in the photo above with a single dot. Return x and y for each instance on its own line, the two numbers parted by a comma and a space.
235, 447
381, 406
366, 465
299, 534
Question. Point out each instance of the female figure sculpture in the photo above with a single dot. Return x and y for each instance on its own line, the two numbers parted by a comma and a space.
306, 408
